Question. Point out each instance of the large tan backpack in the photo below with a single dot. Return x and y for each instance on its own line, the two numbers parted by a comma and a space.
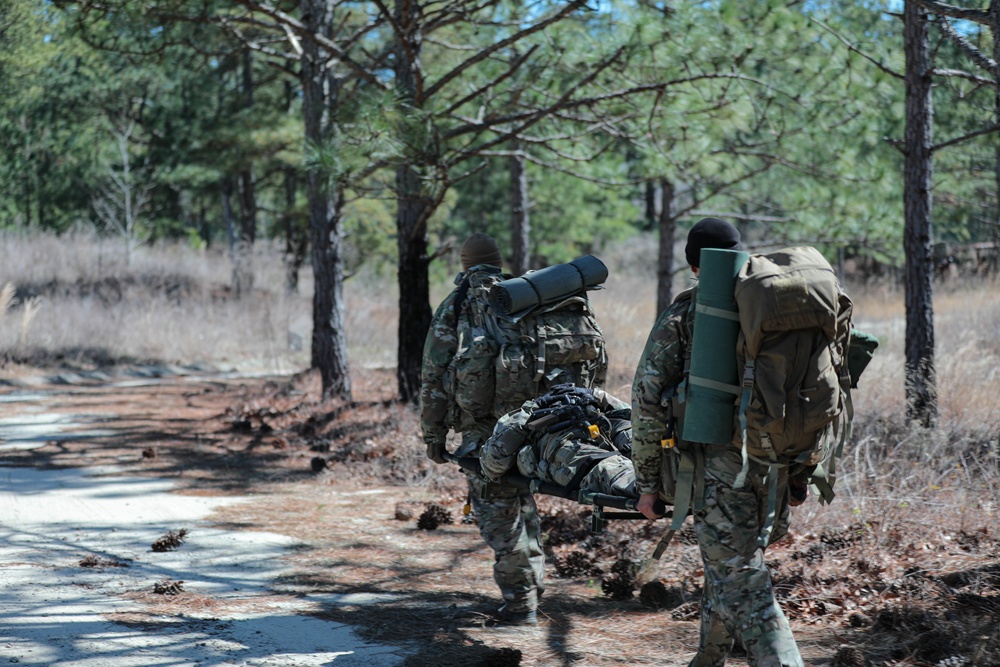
795, 325
794, 405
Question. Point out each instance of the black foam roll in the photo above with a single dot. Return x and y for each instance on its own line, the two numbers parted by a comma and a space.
548, 285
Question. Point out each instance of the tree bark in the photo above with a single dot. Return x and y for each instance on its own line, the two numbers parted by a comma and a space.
995, 30
921, 383
652, 215
243, 273
667, 224
414, 284
29, 175
296, 242
995, 236
319, 97
520, 225
226, 188
413, 205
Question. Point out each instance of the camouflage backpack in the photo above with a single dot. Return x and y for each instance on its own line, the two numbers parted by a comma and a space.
501, 362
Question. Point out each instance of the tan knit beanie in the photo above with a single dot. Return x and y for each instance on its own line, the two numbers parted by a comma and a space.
480, 249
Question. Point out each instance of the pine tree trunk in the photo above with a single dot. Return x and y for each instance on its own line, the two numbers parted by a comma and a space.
296, 242
226, 188
995, 30
921, 383
667, 224
329, 343
413, 206
414, 284
652, 215
243, 273
520, 225
319, 98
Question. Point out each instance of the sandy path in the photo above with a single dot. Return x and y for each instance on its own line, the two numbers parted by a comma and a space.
55, 611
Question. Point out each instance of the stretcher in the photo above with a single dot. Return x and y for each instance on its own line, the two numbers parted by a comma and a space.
600, 502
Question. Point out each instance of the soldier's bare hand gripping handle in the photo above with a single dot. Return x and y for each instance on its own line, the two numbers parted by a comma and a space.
646, 503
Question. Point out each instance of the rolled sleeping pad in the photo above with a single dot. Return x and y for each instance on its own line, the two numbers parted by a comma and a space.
714, 378
548, 285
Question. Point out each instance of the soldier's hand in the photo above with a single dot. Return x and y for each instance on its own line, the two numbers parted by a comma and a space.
436, 452
646, 503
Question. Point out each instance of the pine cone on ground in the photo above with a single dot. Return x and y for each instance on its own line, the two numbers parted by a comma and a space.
170, 541
848, 656
576, 564
621, 584
434, 516
167, 587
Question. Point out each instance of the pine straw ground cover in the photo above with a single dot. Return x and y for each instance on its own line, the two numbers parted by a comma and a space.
903, 569
872, 579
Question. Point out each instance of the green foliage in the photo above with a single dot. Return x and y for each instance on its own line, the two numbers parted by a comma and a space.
569, 215
369, 232
573, 217
48, 124
965, 188
784, 138
754, 109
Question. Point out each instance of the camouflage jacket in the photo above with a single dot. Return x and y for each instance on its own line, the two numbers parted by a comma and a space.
438, 410
660, 371
552, 457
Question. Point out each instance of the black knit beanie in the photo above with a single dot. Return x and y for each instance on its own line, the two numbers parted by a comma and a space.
480, 249
710, 233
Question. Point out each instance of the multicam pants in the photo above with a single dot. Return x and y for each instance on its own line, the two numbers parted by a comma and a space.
509, 524
613, 476
738, 599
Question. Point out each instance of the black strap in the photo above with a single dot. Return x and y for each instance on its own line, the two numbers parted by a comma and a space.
463, 288
460, 296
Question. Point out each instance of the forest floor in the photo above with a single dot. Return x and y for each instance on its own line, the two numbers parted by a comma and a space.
373, 539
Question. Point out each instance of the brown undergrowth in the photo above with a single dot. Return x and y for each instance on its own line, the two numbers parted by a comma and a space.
886, 581
903, 568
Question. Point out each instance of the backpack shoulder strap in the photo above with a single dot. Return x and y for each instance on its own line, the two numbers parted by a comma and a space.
473, 284
690, 463
461, 294
689, 295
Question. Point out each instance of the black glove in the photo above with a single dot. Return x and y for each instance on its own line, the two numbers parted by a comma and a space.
566, 394
436, 452
570, 389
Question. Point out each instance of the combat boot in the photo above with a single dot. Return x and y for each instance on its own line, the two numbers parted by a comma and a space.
508, 617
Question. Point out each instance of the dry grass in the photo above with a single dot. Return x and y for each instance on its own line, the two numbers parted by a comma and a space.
74, 303
6, 298
170, 305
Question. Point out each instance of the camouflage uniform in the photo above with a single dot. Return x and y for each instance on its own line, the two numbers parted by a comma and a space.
568, 457
738, 599
508, 518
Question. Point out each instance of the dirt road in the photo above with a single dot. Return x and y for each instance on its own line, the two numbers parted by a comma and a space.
81, 580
